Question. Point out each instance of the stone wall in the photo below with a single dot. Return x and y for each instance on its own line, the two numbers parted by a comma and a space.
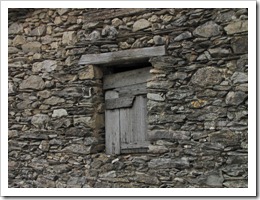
197, 107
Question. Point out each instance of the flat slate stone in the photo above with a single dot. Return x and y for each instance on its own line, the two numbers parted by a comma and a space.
141, 24
32, 82
209, 29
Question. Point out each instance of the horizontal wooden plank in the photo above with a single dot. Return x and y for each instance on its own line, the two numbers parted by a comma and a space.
123, 102
126, 78
134, 90
111, 94
122, 56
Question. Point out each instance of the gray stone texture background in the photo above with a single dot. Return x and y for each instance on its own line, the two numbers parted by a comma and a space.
197, 107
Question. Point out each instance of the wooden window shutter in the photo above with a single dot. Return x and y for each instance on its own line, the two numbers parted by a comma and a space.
126, 111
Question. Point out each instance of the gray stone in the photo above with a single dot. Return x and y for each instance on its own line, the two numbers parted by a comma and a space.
159, 134
178, 94
15, 28
77, 149
209, 29
13, 50
24, 104
44, 94
178, 76
237, 159
240, 45
226, 138
162, 163
143, 178
183, 36
39, 31
77, 131
90, 141
239, 77
109, 31
157, 149
19, 40
57, 20
236, 184
237, 27
62, 11
53, 100
158, 40
82, 120
44, 146
90, 25
12, 133
181, 135
59, 113
141, 24
117, 22
208, 76
124, 45
34, 47
40, 120
32, 82
11, 88
94, 36
69, 38
235, 98
226, 16
47, 39
70, 92
215, 180
45, 66
111, 174
219, 52
36, 135
156, 97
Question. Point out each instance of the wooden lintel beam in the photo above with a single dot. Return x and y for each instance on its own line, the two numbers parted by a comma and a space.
124, 56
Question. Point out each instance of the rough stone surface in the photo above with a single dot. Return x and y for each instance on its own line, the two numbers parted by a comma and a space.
208, 76
239, 77
209, 29
47, 66
40, 120
59, 113
183, 36
33, 82
237, 27
197, 107
34, 47
235, 98
15, 28
140, 24
39, 31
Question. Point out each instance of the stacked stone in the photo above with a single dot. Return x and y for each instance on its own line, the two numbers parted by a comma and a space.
197, 100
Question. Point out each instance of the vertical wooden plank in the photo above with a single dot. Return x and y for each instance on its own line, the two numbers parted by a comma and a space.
112, 126
126, 125
112, 131
139, 119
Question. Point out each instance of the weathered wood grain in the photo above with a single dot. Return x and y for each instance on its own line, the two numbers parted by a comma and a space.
123, 102
112, 132
137, 89
139, 119
122, 56
126, 129
126, 78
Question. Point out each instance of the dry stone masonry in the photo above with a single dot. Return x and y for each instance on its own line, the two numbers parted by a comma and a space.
197, 98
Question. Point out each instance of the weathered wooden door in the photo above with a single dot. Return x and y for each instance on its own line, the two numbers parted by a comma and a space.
126, 111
